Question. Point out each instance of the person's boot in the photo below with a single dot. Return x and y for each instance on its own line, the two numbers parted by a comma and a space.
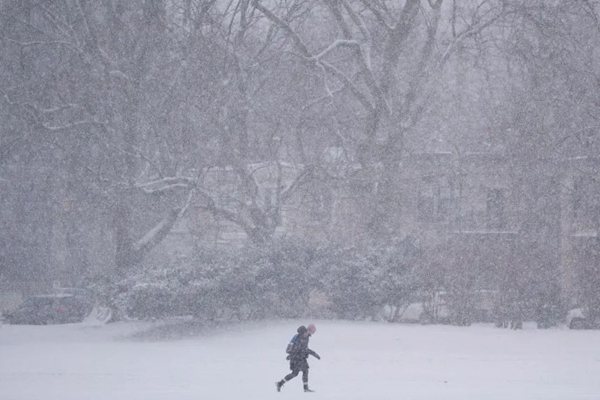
306, 389
279, 385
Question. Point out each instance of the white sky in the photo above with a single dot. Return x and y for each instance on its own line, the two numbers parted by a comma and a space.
360, 360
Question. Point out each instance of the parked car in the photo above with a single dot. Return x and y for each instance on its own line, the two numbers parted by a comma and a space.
62, 308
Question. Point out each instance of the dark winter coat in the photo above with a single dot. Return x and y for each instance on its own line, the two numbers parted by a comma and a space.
298, 350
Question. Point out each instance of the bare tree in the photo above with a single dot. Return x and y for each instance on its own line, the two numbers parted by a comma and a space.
94, 76
386, 59
138, 104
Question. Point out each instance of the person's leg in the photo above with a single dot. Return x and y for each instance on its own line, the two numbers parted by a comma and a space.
288, 377
305, 378
291, 375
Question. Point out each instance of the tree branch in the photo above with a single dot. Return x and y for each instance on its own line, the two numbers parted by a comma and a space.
301, 179
337, 43
166, 184
467, 33
275, 19
379, 16
156, 234
364, 101
317, 61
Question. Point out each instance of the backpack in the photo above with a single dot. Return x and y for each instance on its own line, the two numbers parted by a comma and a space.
291, 344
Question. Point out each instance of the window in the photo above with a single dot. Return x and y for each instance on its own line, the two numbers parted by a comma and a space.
496, 218
583, 193
268, 197
437, 199
321, 205
228, 199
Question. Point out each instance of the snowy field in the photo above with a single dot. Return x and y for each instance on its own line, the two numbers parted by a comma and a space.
360, 360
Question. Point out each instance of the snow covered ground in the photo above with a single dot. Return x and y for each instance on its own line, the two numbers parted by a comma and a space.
360, 360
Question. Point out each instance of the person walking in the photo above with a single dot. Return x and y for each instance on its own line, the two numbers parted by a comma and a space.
298, 353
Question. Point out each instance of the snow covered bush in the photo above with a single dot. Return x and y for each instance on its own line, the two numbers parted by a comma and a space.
360, 283
400, 283
352, 284
248, 283
276, 281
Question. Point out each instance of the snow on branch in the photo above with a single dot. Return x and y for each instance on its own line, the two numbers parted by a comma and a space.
304, 176
235, 217
166, 184
162, 229
158, 232
317, 60
45, 43
64, 28
58, 108
348, 82
363, 50
329, 94
187, 203
338, 43
72, 125
39, 110
366, 52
